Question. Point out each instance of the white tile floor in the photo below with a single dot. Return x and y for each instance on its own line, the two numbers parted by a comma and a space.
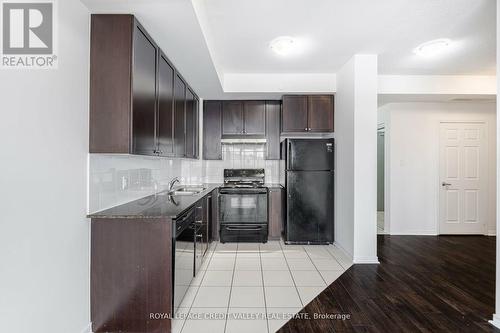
240, 283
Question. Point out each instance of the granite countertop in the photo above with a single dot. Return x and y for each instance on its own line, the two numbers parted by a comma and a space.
160, 205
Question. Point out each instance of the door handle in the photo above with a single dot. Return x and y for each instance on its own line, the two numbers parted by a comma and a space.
445, 184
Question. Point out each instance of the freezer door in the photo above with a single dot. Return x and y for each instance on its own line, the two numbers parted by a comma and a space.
310, 212
310, 155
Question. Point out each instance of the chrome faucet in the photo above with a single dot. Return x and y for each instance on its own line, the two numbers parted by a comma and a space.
172, 183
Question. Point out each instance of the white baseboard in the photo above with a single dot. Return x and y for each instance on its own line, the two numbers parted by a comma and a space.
344, 251
495, 321
87, 329
365, 260
415, 233
491, 232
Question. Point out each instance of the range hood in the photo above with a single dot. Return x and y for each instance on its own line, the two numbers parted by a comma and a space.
233, 141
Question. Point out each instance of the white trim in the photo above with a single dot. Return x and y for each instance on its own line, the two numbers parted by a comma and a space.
365, 260
491, 232
415, 233
87, 329
495, 321
344, 251
387, 177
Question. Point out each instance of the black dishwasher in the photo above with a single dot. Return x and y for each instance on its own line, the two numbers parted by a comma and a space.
184, 256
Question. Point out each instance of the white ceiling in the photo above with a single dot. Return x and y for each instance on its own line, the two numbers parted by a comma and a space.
206, 39
334, 30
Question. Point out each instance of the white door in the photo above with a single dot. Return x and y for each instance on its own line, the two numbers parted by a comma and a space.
463, 178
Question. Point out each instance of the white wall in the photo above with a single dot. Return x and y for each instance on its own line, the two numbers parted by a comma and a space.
496, 317
44, 237
344, 159
356, 156
413, 168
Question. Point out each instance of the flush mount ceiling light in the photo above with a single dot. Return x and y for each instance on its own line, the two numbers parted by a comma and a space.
432, 48
283, 45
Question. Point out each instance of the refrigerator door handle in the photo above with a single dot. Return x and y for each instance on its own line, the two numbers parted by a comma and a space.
289, 159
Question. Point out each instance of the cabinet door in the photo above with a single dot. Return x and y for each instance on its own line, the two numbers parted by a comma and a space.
276, 197
320, 113
294, 114
254, 115
190, 124
165, 135
144, 93
232, 118
179, 117
212, 130
273, 112
197, 127
207, 218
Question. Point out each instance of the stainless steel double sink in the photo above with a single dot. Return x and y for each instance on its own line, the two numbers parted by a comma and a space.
186, 190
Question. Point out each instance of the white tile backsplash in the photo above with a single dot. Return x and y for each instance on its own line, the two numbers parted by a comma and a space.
117, 179
242, 156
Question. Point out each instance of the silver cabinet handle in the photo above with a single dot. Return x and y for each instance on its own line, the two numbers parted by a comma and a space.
445, 184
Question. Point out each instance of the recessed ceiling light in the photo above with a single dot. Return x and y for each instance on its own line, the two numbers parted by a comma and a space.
283, 45
432, 48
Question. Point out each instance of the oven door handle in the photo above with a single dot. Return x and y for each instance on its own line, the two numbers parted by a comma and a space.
244, 229
235, 192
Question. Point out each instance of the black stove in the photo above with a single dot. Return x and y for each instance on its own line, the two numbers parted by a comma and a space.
243, 206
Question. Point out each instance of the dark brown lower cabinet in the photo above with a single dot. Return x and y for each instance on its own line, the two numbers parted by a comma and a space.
214, 221
131, 275
276, 197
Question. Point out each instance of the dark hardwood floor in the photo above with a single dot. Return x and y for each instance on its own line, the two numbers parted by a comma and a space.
423, 284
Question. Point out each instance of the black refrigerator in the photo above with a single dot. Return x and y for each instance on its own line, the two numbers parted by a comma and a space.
310, 167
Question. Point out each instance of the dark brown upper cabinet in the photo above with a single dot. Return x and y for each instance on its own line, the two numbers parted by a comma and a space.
179, 117
212, 130
165, 107
320, 113
197, 128
137, 97
272, 123
232, 117
191, 115
144, 93
294, 114
242, 118
312, 113
254, 118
